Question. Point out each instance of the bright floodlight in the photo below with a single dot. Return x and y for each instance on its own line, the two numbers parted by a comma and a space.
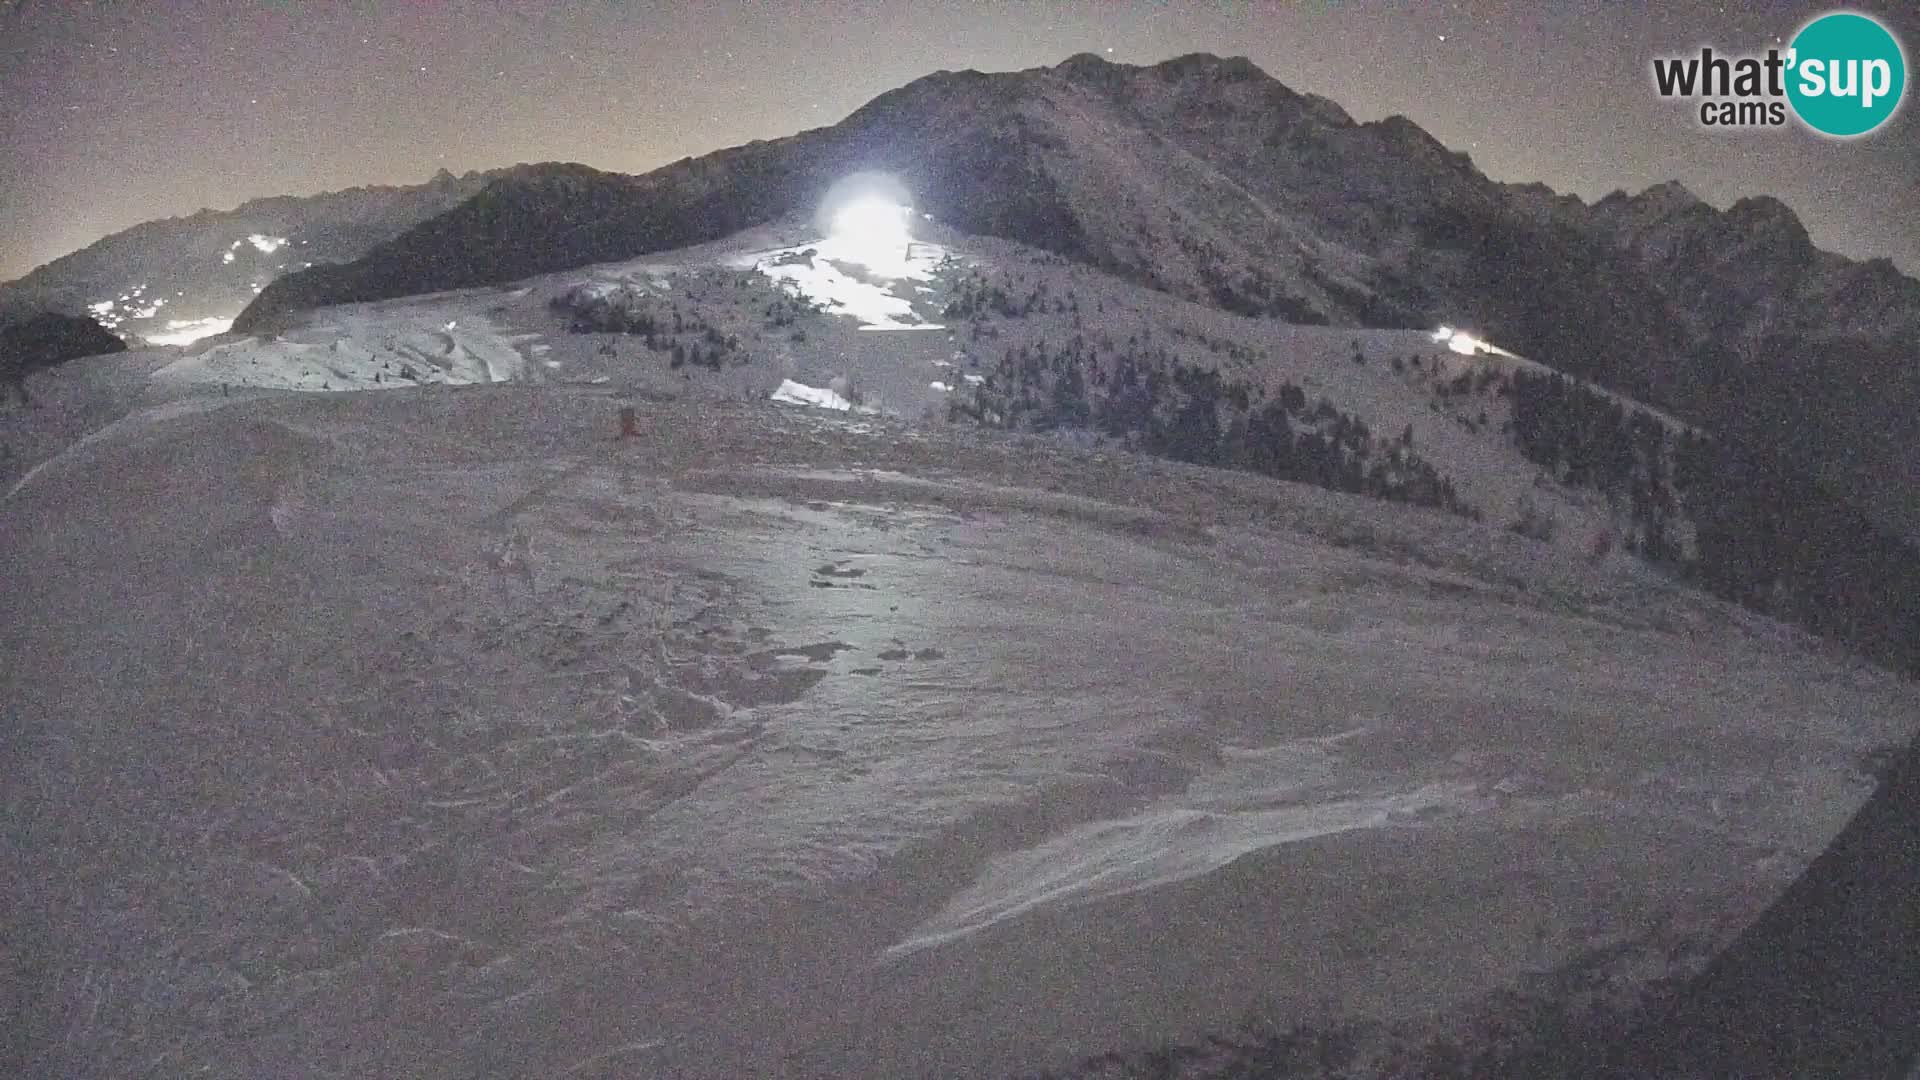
1465, 344
1460, 341
867, 219
872, 231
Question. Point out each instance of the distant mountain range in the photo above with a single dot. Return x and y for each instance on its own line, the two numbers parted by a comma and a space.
193, 274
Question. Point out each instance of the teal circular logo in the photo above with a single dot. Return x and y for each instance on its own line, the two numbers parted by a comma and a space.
1846, 74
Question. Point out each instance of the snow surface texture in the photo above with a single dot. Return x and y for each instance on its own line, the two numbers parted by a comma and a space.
447, 734
849, 280
361, 347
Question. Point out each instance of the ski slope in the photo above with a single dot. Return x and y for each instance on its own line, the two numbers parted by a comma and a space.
444, 733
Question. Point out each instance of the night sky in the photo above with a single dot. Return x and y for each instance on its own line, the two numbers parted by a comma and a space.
115, 113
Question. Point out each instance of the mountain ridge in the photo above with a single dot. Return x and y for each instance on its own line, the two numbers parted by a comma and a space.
207, 265
1341, 180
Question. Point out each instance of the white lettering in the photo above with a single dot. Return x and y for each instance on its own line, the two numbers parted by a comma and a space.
1843, 87
1871, 87
1813, 77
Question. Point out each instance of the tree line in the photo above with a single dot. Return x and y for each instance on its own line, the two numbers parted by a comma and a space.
1159, 404
1767, 535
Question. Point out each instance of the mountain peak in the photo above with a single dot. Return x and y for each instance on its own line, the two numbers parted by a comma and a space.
1763, 208
1671, 193
1092, 69
1669, 201
1229, 68
1090, 66
1417, 140
1085, 62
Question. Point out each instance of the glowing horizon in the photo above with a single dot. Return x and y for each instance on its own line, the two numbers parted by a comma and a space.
188, 331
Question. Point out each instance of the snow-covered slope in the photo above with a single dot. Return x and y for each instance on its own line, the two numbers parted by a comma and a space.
442, 732
438, 341
780, 312
448, 730
360, 349
1441, 395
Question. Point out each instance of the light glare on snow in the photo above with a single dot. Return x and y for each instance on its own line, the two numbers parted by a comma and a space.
865, 256
872, 232
1462, 342
188, 331
851, 276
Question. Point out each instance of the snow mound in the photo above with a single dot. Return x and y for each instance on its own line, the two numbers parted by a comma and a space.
794, 393
1160, 846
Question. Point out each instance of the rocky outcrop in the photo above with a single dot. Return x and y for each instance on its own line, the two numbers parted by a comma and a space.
34, 342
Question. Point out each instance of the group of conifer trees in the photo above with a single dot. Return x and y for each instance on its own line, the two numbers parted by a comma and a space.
1162, 405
